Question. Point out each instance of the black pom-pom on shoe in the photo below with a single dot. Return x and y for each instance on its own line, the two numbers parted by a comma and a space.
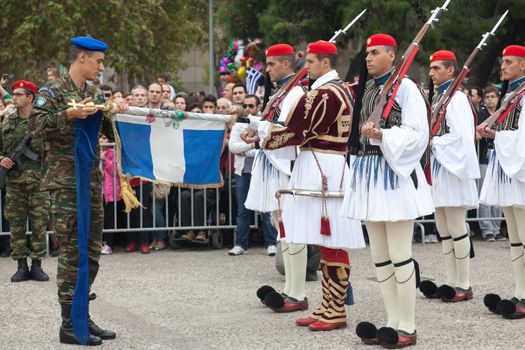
491, 301
506, 307
274, 299
263, 291
429, 289
366, 330
387, 335
446, 292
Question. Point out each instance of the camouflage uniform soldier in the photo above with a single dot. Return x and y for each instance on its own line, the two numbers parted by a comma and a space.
24, 198
56, 122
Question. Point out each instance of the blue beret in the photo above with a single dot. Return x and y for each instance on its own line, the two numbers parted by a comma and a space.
87, 43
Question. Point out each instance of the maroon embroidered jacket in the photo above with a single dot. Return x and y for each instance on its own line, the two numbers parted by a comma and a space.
321, 119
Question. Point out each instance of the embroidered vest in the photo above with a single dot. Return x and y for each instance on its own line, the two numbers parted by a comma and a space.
443, 127
511, 121
370, 100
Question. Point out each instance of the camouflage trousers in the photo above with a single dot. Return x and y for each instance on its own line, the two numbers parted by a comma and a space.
25, 200
64, 215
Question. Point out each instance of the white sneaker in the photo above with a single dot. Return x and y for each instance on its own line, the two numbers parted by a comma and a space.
271, 250
237, 250
431, 238
106, 249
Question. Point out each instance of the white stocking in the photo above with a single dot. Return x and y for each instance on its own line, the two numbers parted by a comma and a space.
447, 245
399, 237
287, 271
384, 270
457, 228
515, 226
298, 257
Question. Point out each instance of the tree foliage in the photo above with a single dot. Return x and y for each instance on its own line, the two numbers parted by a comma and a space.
144, 37
460, 29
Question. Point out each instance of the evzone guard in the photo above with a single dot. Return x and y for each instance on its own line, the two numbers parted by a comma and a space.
271, 172
504, 183
454, 169
387, 190
319, 123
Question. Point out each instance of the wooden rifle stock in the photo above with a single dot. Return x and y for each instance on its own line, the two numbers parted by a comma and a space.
389, 91
438, 113
504, 109
276, 99
440, 110
274, 102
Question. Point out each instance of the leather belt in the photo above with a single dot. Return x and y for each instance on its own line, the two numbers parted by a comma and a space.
369, 150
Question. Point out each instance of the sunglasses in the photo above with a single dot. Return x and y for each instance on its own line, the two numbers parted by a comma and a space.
108, 95
248, 105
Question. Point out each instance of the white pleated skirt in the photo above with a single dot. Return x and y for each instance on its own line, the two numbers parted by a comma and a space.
500, 190
265, 181
448, 190
302, 215
375, 193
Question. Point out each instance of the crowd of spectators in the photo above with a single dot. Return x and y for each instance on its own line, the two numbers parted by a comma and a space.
190, 211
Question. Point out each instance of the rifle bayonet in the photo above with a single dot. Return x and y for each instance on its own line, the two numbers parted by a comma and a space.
488, 35
339, 33
437, 13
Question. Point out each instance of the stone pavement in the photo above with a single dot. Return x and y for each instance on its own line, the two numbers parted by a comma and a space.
196, 298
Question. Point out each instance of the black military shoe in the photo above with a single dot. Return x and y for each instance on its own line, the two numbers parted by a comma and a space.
67, 335
22, 274
37, 273
103, 334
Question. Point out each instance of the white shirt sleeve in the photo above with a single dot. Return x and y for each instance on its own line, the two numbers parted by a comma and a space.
456, 150
235, 144
510, 148
404, 145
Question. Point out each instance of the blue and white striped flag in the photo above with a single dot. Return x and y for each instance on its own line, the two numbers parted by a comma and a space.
182, 152
252, 78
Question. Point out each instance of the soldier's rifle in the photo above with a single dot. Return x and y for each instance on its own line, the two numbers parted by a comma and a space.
15, 153
438, 113
279, 96
388, 93
501, 113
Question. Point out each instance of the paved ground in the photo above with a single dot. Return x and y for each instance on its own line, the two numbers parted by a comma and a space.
204, 299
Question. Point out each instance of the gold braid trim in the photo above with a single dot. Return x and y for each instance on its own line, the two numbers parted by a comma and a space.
281, 139
310, 97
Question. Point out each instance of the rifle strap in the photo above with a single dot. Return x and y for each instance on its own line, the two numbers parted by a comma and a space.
511, 107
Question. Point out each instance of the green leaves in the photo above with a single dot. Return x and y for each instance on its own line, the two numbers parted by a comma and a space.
460, 29
144, 37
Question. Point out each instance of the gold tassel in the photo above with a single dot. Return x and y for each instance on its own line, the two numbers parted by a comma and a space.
127, 194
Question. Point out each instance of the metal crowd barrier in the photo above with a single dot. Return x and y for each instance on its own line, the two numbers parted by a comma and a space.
215, 220
219, 215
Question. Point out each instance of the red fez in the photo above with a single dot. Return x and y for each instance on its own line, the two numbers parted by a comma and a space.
280, 50
381, 39
514, 50
322, 47
443, 55
24, 84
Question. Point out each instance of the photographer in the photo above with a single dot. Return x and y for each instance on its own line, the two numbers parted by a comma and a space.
3, 92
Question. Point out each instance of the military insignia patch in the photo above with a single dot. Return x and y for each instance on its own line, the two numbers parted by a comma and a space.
40, 102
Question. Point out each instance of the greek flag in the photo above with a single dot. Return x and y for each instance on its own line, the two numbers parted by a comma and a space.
161, 148
252, 78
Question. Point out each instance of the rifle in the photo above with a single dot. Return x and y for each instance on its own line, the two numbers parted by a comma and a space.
388, 93
440, 110
504, 110
279, 96
15, 153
